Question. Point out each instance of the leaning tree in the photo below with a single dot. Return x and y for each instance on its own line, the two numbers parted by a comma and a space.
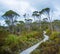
10, 18
46, 11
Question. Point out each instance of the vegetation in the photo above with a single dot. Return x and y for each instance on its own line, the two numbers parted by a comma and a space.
12, 43
20, 35
10, 19
52, 46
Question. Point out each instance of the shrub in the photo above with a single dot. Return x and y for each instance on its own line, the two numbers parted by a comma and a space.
35, 34
12, 42
37, 51
11, 45
55, 35
15, 44
48, 32
3, 35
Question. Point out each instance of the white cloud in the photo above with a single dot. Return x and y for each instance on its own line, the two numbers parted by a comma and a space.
19, 6
2, 22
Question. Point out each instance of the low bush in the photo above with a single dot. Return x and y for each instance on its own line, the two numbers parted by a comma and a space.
3, 35
55, 35
48, 32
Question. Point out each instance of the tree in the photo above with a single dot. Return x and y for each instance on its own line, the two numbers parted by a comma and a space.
45, 19
20, 27
47, 12
35, 14
38, 15
45, 24
56, 25
10, 18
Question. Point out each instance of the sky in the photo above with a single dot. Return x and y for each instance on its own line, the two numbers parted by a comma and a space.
28, 6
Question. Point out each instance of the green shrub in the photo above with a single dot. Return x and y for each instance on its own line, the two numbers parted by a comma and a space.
3, 35
35, 34
11, 45
48, 32
11, 39
55, 35
37, 51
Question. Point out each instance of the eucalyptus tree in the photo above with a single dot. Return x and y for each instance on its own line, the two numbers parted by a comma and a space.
28, 23
46, 11
35, 14
40, 14
10, 18
20, 27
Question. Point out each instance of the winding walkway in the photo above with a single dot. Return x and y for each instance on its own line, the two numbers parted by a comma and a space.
29, 50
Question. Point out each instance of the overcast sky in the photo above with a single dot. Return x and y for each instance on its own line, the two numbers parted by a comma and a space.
23, 6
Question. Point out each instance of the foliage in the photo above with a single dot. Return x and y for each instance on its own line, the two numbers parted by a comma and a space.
37, 51
51, 46
11, 45
10, 13
29, 34
55, 37
48, 32
10, 19
3, 35
15, 44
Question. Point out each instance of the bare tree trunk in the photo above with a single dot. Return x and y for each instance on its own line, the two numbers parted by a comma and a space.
51, 27
39, 21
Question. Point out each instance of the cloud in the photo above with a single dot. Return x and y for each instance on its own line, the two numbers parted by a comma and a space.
2, 22
19, 6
